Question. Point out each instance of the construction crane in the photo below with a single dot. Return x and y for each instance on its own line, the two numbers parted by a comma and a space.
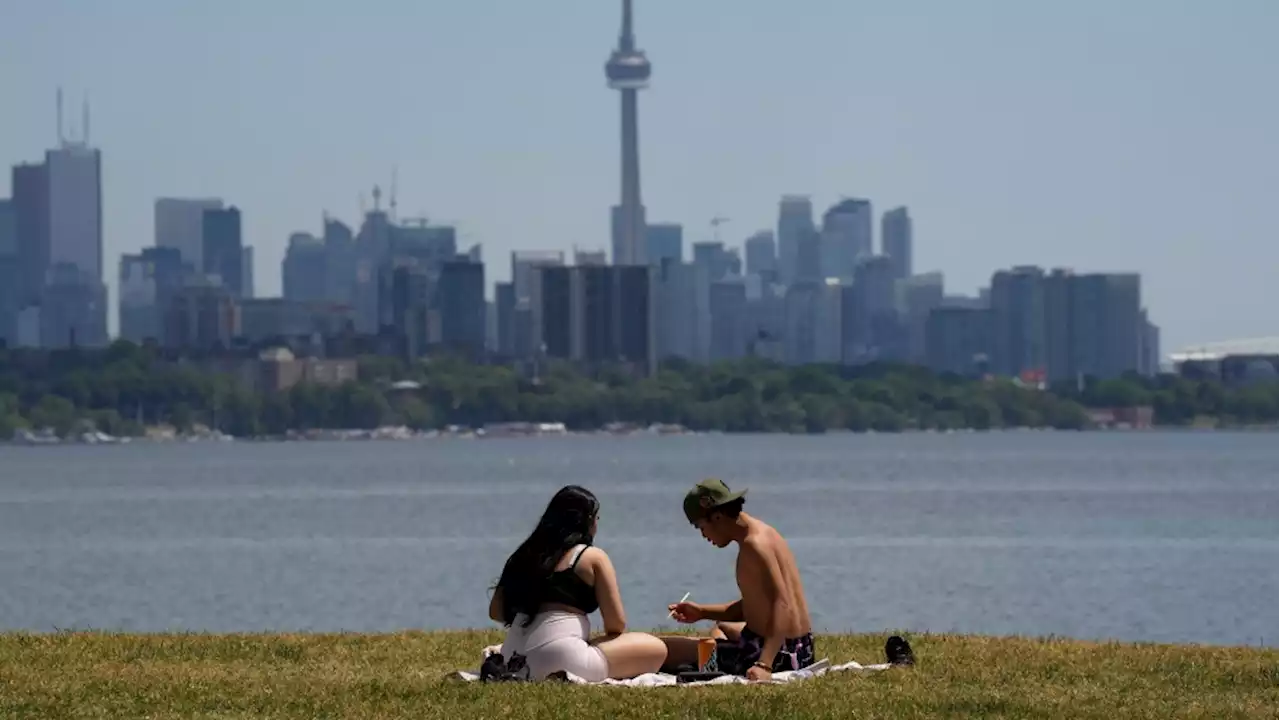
716, 222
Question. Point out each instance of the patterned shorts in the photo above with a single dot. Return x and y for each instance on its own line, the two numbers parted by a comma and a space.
737, 656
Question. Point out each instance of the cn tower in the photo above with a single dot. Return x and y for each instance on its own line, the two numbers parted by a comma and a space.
628, 72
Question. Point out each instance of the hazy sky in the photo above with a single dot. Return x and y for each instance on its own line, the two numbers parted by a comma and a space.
1132, 135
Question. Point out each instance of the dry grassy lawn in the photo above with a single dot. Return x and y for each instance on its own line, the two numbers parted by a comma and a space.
104, 675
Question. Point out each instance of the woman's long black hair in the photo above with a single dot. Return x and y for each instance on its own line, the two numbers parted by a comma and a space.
565, 523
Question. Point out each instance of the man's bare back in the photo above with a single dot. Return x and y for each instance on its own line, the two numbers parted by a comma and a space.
763, 546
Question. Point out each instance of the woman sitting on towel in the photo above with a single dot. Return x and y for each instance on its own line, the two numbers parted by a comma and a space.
549, 586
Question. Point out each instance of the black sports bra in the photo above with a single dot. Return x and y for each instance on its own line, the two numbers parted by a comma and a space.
566, 588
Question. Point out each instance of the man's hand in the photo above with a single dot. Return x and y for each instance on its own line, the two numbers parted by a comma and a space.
755, 673
686, 612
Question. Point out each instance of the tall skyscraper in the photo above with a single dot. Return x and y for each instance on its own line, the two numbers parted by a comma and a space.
75, 208
304, 270
795, 223
340, 262
180, 225
1018, 334
664, 241
895, 239
876, 324
31, 229
628, 72
846, 237
459, 299
224, 249
728, 310
762, 256
526, 281
919, 295
682, 311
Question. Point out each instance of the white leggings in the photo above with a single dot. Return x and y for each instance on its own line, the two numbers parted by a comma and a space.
556, 640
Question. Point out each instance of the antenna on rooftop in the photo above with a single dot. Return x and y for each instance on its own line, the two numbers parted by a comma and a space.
394, 175
61, 137
85, 111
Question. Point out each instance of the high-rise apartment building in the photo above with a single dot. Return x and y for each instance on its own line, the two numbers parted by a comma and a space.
459, 298
1066, 325
223, 249
761, 255
305, 269
896, 240
1107, 324
1018, 328
31, 229
809, 257
795, 222
918, 296
729, 318
526, 280
876, 327
664, 241
682, 311
179, 224
846, 237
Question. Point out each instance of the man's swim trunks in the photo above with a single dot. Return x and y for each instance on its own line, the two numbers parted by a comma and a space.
735, 657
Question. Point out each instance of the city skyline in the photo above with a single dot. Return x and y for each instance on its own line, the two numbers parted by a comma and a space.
976, 195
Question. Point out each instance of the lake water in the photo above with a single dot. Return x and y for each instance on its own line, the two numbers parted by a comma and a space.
1136, 536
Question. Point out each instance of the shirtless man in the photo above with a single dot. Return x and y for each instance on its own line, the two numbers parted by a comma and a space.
768, 629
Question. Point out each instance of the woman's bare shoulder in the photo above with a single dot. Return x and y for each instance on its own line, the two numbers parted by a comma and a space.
594, 556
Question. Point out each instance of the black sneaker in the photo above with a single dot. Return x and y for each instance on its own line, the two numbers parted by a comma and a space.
493, 668
496, 669
898, 652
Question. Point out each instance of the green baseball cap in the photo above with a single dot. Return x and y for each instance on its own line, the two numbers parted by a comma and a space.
707, 495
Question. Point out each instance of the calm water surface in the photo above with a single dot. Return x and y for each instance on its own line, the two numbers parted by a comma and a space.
1159, 536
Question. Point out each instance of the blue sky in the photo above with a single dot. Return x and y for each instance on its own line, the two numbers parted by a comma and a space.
1103, 136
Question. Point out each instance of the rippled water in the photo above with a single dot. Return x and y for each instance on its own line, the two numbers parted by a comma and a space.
1142, 536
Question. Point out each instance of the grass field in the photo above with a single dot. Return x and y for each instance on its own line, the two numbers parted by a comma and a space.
103, 675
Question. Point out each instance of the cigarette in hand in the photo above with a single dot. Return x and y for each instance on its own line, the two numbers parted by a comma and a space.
672, 613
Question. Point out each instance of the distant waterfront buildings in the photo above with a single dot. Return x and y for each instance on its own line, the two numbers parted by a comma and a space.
896, 240
803, 292
179, 224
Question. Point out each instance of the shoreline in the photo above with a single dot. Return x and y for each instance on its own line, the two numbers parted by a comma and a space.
403, 434
406, 674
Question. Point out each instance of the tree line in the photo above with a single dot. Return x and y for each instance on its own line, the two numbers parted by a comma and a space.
124, 388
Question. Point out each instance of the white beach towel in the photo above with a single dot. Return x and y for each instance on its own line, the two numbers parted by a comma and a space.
822, 667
